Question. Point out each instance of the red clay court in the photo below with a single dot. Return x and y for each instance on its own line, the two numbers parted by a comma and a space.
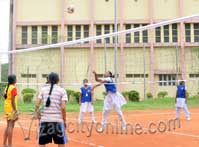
185, 136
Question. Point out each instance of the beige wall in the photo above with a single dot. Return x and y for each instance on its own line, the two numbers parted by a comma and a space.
166, 9
165, 58
191, 7
136, 9
39, 62
81, 7
76, 64
38, 10
192, 67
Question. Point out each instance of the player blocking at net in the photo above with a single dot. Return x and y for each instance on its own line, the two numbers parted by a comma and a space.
113, 99
86, 101
53, 115
10, 109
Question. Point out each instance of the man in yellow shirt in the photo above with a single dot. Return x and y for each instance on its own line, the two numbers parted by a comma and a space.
10, 109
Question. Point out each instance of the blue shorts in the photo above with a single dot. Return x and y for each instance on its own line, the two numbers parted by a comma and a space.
52, 131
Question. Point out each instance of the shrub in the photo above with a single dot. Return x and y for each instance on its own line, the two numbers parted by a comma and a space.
162, 94
28, 90
126, 94
70, 94
27, 97
149, 95
134, 96
104, 93
73, 96
77, 95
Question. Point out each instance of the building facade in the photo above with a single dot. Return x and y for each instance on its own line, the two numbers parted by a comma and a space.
171, 51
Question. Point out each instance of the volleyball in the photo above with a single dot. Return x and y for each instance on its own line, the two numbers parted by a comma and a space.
70, 9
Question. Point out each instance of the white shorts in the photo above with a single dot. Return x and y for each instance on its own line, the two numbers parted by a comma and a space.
180, 102
86, 107
114, 100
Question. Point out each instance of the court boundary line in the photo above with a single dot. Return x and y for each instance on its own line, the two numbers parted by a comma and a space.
151, 114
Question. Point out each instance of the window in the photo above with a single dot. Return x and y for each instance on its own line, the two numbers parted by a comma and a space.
187, 32
78, 32
166, 33
167, 80
100, 75
158, 35
24, 35
99, 32
136, 35
145, 35
34, 34
44, 34
86, 32
128, 36
44, 75
70, 33
107, 31
174, 33
196, 32
28, 75
194, 75
136, 75
54, 34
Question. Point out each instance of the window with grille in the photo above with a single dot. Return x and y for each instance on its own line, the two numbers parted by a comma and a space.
136, 34
34, 34
69, 33
188, 32
24, 35
128, 36
166, 33
44, 34
54, 34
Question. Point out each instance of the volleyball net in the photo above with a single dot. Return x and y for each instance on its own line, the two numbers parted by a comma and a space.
149, 56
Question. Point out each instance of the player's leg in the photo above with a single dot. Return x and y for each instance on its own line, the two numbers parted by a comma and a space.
61, 145
82, 110
10, 131
177, 112
90, 109
80, 117
5, 138
121, 116
92, 117
186, 112
105, 114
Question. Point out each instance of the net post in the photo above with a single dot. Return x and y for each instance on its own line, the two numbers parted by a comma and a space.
144, 60
177, 71
105, 55
115, 40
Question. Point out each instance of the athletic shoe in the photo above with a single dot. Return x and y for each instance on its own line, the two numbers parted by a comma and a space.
94, 121
124, 127
79, 122
101, 129
188, 118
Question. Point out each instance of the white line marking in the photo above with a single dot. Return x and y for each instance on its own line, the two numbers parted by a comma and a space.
146, 114
183, 134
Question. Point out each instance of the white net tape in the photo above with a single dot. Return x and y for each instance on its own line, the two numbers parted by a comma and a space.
68, 43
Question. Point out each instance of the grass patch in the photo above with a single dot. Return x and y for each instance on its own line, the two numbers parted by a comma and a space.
161, 103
